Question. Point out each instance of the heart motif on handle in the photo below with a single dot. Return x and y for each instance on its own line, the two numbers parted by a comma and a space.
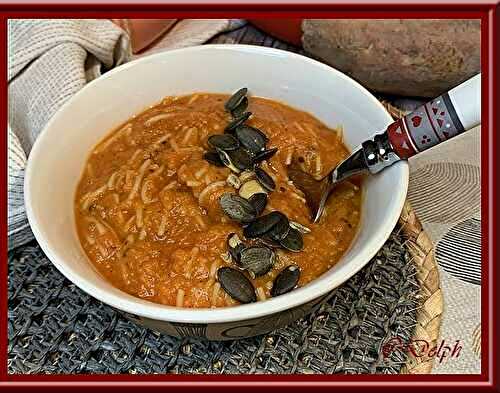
416, 120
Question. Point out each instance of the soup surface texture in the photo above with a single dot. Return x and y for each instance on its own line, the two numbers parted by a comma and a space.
148, 210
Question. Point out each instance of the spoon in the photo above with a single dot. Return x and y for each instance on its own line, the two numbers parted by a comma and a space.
435, 122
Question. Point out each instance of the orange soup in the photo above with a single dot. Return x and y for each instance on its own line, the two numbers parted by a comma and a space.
189, 203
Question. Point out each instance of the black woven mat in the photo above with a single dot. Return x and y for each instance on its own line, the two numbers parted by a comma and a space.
53, 327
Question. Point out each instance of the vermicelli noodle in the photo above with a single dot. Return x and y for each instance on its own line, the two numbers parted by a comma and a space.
148, 205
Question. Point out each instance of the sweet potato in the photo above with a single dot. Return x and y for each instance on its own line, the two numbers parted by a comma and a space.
398, 56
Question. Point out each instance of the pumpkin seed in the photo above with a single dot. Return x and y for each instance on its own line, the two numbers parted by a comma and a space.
298, 226
262, 134
235, 247
251, 138
293, 241
262, 225
264, 179
233, 240
237, 208
213, 158
259, 202
240, 108
280, 230
226, 160
265, 155
237, 122
257, 259
247, 175
224, 142
240, 158
236, 284
286, 280
250, 188
233, 181
236, 253
235, 99
269, 241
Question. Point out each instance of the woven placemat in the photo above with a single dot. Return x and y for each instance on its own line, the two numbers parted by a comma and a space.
53, 327
56, 328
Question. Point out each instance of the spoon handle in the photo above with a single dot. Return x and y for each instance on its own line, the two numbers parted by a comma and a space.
438, 120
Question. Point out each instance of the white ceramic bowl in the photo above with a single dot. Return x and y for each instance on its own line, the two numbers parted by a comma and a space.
58, 156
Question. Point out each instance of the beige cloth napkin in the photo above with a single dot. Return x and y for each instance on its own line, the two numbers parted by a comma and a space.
49, 60
445, 191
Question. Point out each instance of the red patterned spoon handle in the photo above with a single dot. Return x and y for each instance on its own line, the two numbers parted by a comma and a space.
438, 120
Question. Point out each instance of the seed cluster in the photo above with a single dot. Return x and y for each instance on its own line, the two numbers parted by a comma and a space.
241, 148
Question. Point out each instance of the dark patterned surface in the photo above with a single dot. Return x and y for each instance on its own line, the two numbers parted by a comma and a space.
463, 239
53, 327
250, 35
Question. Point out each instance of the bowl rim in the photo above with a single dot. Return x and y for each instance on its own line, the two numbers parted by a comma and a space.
155, 311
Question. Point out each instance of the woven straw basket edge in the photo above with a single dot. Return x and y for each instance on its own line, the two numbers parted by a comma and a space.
431, 300
421, 250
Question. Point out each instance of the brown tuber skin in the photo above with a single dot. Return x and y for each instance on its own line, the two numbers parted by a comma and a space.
406, 57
